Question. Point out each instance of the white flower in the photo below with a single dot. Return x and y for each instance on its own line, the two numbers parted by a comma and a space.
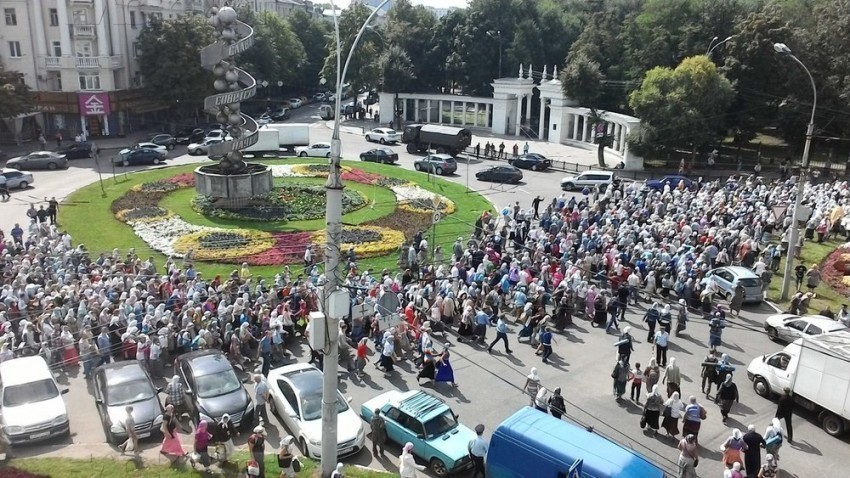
161, 234
284, 171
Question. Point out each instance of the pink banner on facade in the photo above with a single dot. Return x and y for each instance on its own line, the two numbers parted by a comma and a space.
93, 104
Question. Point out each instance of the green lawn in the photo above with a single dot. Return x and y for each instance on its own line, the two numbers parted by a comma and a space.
87, 216
119, 468
826, 296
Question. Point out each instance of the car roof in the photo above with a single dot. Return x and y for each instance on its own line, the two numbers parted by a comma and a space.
24, 370
441, 156
123, 372
420, 404
740, 271
205, 362
594, 171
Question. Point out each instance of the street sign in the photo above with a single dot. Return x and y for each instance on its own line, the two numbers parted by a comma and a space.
388, 304
437, 217
358, 311
388, 321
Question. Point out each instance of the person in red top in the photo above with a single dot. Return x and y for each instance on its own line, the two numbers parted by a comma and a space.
362, 351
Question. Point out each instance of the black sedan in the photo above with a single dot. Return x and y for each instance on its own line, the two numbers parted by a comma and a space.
500, 174
190, 135
163, 139
76, 150
139, 156
214, 389
532, 161
380, 155
122, 384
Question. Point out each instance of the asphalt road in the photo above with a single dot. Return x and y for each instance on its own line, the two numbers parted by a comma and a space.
489, 384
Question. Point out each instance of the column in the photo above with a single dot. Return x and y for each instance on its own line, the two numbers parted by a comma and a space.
40, 42
106, 125
540, 133
584, 128
64, 29
528, 108
621, 137
574, 137
100, 26
463, 121
475, 117
416, 105
404, 111
114, 38
452, 112
440, 111
518, 114
487, 122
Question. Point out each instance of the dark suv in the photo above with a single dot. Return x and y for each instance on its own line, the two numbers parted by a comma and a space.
163, 139
190, 135
76, 151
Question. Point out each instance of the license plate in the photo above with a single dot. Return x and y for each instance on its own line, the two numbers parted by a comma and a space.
36, 436
345, 450
144, 435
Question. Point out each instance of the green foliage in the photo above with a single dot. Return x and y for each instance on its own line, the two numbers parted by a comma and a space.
683, 106
411, 29
582, 79
277, 54
363, 70
313, 36
15, 96
169, 59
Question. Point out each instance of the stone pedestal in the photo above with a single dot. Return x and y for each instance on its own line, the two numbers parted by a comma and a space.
233, 190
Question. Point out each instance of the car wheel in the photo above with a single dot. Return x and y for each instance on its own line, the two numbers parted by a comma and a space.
170, 147
368, 138
303, 444
534, 167
438, 171
328, 155
382, 141
438, 467
51, 166
303, 154
23, 185
416, 167
728, 297
832, 424
125, 163
772, 334
568, 186
156, 161
761, 387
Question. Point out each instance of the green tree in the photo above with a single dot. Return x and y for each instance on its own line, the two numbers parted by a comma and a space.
15, 96
685, 106
169, 57
313, 36
363, 71
582, 79
277, 54
396, 75
411, 28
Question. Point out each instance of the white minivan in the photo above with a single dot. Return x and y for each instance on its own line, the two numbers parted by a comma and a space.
32, 404
590, 179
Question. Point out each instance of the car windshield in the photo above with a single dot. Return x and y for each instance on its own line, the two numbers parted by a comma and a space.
440, 424
216, 384
750, 282
126, 393
311, 405
32, 392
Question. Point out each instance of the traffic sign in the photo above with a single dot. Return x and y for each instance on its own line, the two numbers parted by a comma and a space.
437, 216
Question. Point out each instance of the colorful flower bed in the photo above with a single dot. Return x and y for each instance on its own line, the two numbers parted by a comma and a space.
836, 270
289, 202
218, 244
367, 241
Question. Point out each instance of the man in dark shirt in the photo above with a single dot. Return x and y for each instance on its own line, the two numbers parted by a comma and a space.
799, 274
784, 410
41, 214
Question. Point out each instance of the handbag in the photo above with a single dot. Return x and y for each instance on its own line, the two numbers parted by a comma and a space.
643, 420
253, 468
296, 465
667, 412
702, 413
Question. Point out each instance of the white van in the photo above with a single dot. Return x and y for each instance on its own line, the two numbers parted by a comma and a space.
32, 404
590, 179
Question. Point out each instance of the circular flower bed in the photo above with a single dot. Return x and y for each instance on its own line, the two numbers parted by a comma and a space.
218, 244
143, 213
383, 240
289, 202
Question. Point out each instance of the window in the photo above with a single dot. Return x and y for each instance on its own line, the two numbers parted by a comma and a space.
15, 49
81, 17
411, 424
84, 48
144, 19
132, 19
797, 325
57, 48
11, 18
779, 361
89, 82
813, 330
54, 17
135, 49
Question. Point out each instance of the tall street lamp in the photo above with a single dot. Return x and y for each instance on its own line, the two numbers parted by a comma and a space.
783, 49
332, 290
498, 35
712, 48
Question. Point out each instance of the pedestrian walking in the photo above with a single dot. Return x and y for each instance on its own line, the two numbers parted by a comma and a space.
636, 377
557, 405
660, 344
769, 469
652, 374
257, 449
693, 417
201, 446
681, 318
620, 376
525, 148
261, 397
445, 372
673, 378
285, 457
752, 454
688, 457
4, 188
532, 385
58, 138
42, 141
673, 409
515, 151
546, 340
715, 328
651, 318
734, 471
737, 301
726, 395
501, 334
625, 345
129, 424
709, 372
652, 410
773, 438
223, 434
407, 467
171, 446
733, 449
379, 432
477, 449
784, 410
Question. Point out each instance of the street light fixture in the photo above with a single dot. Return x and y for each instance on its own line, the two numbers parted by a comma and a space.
494, 35
783, 49
712, 48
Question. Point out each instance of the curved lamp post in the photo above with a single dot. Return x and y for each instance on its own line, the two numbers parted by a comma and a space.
783, 49
333, 215
712, 48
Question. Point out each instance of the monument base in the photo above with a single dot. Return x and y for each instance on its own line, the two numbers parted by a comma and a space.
233, 190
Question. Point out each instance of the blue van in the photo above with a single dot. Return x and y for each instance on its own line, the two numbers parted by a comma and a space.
531, 443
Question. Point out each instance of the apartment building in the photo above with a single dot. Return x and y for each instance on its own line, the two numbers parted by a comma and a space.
79, 58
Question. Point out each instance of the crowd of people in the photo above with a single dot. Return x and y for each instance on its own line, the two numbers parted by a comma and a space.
592, 257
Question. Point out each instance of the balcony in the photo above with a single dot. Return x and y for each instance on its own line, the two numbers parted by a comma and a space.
97, 62
82, 2
84, 31
52, 62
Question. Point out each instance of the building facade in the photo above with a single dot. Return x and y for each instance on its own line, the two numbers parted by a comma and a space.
78, 56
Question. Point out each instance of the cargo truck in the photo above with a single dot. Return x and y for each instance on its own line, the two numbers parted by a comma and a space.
444, 139
817, 371
290, 135
267, 144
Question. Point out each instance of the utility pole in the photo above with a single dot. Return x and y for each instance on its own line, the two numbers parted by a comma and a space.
332, 291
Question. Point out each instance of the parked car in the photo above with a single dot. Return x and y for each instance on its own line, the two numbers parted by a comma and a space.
38, 160
317, 150
33, 408
790, 327
296, 397
426, 421
214, 389
589, 179
190, 135
380, 155
203, 147
145, 145
436, 163
725, 279
383, 135
76, 150
139, 156
295, 103
318, 97
264, 119
673, 181
215, 126
163, 139
279, 114
16, 179
532, 161
218, 134
119, 385
500, 174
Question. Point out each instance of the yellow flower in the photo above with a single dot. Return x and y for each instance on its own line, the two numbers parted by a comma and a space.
256, 242
447, 206
306, 170
125, 215
390, 240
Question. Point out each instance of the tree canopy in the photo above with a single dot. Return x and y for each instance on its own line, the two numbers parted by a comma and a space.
15, 96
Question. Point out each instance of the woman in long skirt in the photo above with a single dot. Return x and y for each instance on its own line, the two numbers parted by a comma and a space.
670, 423
171, 446
652, 409
445, 372
70, 357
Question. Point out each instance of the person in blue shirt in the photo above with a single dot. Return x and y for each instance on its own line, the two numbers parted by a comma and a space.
265, 351
501, 334
651, 318
481, 320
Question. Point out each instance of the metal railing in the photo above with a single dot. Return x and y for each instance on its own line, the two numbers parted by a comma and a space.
87, 62
84, 30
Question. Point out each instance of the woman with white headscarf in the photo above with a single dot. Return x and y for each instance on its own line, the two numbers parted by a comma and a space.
407, 466
733, 448
285, 457
769, 469
726, 395
652, 409
532, 385
773, 438
673, 409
